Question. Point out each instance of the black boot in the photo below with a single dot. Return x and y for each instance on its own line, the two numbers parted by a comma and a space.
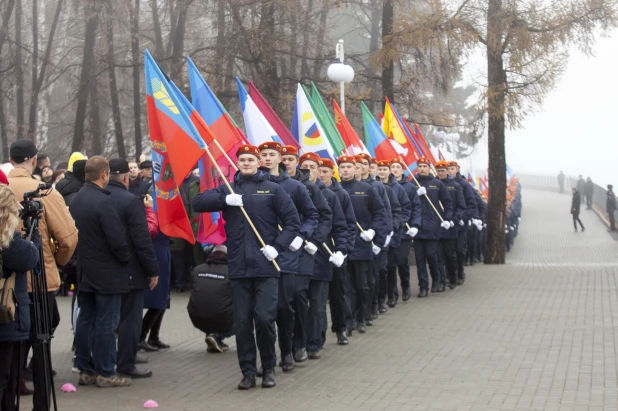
342, 338
287, 363
422, 293
268, 381
248, 381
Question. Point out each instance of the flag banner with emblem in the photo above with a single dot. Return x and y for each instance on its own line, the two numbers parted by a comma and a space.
210, 226
257, 127
352, 141
176, 145
378, 144
420, 139
395, 131
307, 129
273, 119
325, 119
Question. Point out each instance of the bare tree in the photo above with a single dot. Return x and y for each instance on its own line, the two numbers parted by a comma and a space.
135, 55
113, 87
19, 72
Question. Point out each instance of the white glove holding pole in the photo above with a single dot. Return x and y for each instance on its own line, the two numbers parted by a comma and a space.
469, 223
376, 250
234, 200
421, 191
479, 226
269, 252
452, 224
296, 244
388, 239
310, 248
368, 235
461, 223
337, 259
446, 225
412, 232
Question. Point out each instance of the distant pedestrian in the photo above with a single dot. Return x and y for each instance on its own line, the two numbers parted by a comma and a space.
588, 191
581, 185
561, 181
611, 207
575, 208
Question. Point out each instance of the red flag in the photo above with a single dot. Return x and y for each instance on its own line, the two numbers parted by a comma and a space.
353, 143
440, 156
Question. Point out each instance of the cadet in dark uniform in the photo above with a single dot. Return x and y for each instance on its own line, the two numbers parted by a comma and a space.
464, 241
336, 241
252, 274
426, 241
370, 216
448, 238
403, 265
399, 222
270, 154
341, 305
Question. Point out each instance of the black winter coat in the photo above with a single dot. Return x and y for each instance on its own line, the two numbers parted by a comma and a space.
415, 206
131, 210
406, 210
481, 206
470, 198
19, 257
459, 208
396, 213
576, 203
611, 201
68, 187
370, 214
323, 269
308, 214
141, 187
102, 247
267, 204
388, 212
348, 211
437, 192
325, 222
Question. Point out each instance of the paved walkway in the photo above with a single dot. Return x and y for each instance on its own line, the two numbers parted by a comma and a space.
540, 333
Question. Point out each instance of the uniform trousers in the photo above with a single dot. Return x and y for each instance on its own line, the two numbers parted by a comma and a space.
301, 311
339, 299
381, 278
462, 248
255, 302
285, 312
426, 252
318, 293
359, 272
449, 253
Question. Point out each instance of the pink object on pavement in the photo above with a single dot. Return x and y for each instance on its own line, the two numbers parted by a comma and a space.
68, 387
151, 404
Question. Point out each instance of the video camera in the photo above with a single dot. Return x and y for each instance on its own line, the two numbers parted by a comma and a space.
33, 208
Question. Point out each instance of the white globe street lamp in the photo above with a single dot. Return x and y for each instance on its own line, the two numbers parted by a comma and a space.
340, 73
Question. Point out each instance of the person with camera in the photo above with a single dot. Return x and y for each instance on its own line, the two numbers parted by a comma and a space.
18, 257
58, 241
143, 269
103, 263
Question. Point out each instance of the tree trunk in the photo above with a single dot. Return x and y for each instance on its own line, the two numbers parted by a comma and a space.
137, 95
388, 68
374, 43
182, 8
19, 73
304, 67
156, 25
4, 137
92, 11
220, 47
37, 79
113, 87
269, 60
95, 120
35, 69
173, 23
496, 76
5, 21
317, 66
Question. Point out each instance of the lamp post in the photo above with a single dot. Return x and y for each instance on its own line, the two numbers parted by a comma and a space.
340, 73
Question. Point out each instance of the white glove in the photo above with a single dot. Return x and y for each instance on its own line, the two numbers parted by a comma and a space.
506, 231
337, 259
469, 223
452, 224
479, 226
484, 225
421, 191
269, 252
234, 200
368, 235
295, 246
446, 225
519, 219
461, 223
376, 250
511, 228
310, 248
388, 239
412, 232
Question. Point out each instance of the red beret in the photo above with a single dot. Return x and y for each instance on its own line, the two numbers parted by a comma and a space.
3, 178
248, 149
363, 156
271, 145
423, 160
310, 156
453, 164
373, 160
289, 151
398, 161
327, 162
346, 159
384, 163
442, 164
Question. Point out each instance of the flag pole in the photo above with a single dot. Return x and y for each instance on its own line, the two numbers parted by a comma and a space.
419, 185
229, 187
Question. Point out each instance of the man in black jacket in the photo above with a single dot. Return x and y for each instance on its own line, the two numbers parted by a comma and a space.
252, 274
575, 209
143, 270
611, 207
72, 182
102, 268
